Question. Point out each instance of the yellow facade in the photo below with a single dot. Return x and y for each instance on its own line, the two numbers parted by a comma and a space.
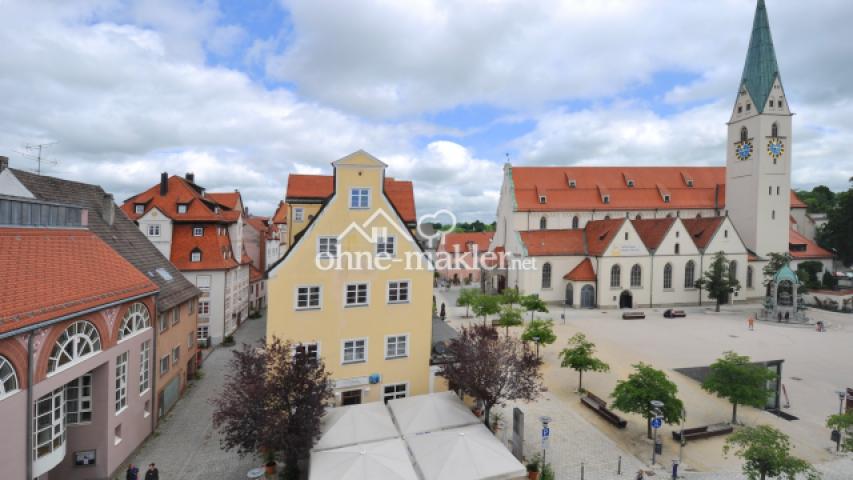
309, 211
331, 322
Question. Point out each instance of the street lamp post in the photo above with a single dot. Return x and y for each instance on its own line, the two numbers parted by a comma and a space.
842, 395
657, 405
536, 339
682, 442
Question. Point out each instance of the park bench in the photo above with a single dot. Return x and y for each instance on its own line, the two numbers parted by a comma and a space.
633, 315
707, 431
599, 406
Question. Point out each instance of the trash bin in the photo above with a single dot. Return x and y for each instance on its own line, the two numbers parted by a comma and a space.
255, 474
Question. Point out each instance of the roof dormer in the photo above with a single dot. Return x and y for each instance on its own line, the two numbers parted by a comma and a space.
664, 194
571, 182
604, 194
688, 180
629, 181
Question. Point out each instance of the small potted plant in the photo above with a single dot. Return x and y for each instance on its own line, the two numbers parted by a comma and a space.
497, 421
533, 468
270, 466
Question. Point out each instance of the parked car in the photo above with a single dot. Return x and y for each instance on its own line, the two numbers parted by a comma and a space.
672, 313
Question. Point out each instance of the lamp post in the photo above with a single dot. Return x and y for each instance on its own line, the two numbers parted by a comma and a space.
842, 395
657, 405
536, 339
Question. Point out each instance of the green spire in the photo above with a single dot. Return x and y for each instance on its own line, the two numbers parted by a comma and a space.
760, 69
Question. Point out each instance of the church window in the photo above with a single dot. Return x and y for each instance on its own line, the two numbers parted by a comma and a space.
626, 235
748, 107
689, 273
543, 223
726, 233
667, 276
777, 189
749, 277
739, 109
733, 270
770, 190
636, 276
546, 275
699, 215
575, 222
771, 103
615, 276
774, 130
780, 103
677, 248
773, 215
744, 134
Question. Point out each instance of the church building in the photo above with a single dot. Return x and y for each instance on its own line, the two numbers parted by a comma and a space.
641, 236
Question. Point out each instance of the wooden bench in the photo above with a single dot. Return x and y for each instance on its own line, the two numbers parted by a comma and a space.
599, 406
633, 315
707, 431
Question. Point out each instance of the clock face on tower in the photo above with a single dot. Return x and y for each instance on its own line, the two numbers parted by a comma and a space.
775, 148
743, 150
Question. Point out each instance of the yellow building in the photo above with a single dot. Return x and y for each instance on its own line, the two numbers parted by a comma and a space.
355, 288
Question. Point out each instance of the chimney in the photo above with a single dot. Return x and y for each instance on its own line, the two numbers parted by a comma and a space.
164, 183
108, 211
190, 176
4, 163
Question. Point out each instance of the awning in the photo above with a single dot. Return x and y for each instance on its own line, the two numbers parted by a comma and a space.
425, 413
386, 460
342, 426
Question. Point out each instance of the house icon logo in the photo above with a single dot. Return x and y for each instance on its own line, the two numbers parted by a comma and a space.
375, 233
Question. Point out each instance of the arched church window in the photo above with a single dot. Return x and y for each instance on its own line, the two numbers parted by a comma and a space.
749, 277
575, 222
135, 320
689, 273
543, 223
78, 341
733, 270
667, 276
774, 130
8, 377
744, 134
615, 276
636, 276
546, 275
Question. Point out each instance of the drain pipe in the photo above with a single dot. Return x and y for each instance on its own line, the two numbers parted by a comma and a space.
30, 375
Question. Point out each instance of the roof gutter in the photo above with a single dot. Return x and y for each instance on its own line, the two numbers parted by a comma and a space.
31, 328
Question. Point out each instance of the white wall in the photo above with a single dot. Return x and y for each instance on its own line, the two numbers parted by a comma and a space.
215, 295
163, 242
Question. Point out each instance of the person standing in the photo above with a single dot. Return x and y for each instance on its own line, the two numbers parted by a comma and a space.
132, 472
751, 322
152, 473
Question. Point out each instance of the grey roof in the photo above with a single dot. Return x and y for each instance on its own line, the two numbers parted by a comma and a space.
760, 69
442, 331
123, 235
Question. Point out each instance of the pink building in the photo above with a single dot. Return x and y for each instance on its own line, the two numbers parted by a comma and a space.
76, 346
464, 251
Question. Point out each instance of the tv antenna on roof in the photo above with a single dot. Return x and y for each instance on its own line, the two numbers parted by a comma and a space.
37, 153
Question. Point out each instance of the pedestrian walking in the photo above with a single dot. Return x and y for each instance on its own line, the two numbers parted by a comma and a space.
443, 313
132, 472
152, 473
751, 322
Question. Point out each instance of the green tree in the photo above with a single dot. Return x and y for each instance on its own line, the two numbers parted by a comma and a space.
717, 280
819, 199
842, 422
765, 453
532, 303
542, 329
775, 262
510, 317
466, 299
734, 378
580, 356
635, 394
807, 273
829, 281
838, 231
510, 296
485, 305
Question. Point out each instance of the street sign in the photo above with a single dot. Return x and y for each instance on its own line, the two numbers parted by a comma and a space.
657, 422
546, 432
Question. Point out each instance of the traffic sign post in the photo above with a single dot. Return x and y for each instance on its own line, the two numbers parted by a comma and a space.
657, 422
546, 434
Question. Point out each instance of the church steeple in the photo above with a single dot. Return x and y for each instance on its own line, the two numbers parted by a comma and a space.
760, 69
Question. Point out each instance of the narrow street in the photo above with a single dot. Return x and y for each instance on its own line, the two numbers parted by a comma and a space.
185, 445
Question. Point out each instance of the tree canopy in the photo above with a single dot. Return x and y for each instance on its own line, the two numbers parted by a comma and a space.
766, 453
485, 305
635, 394
734, 378
579, 355
843, 422
541, 329
510, 296
838, 230
492, 368
532, 303
272, 400
509, 317
466, 298
718, 281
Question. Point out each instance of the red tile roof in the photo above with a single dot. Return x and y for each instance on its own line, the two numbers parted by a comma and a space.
702, 229
200, 208
553, 242
232, 200
255, 275
652, 231
214, 248
583, 272
460, 242
594, 182
258, 223
48, 273
320, 187
599, 234
805, 248
280, 215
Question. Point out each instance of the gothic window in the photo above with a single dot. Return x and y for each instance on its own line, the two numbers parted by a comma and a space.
677, 248
771, 106
749, 277
733, 270
546, 275
8, 377
615, 276
638, 217
689, 273
636, 276
744, 134
543, 223
774, 130
773, 215
575, 222
135, 320
667, 276
78, 341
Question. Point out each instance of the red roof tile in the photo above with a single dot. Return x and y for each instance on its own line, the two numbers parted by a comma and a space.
652, 231
255, 275
199, 208
592, 183
702, 229
320, 187
553, 242
583, 272
214, 248
48, 273
802, 247
280, 215
460, 242
231, 200
599, 234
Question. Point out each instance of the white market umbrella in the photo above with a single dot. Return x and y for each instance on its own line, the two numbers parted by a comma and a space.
428, 413
367, 422
467, 453
384, 460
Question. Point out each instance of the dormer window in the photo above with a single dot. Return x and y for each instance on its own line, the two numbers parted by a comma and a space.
605, 199
630, 183
573, 183
182, 208
542, 199
139, 208
215, 210
198, 231
195, 256
359, 198
690, 183
666, 199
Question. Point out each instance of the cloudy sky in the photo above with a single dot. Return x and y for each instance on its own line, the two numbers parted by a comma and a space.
243, 92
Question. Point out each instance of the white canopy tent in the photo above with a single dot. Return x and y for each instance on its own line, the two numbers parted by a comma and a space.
368, 422
386, 460
466, 453
432, 412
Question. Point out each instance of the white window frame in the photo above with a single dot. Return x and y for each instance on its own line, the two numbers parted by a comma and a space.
144, 367
9, 383
383, 244
198, 231
392, 288
204, 307
397, 353
298, 214
176, 355
396, 394
168, 364
121, 383
153, 229
308, 305
324, 246
139, 208
182, 208
195, 256
354, 347
202, 332
308, 345
55, 425
357, 286
362, 193
80, 335
82, 402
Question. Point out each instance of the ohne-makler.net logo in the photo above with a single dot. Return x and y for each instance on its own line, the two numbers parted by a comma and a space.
384, 251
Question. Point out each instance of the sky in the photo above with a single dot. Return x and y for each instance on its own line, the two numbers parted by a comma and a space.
244, 92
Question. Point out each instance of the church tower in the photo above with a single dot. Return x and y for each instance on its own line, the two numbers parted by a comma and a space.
758, 150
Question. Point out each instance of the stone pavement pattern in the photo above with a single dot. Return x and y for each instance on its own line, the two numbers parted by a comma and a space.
185, 445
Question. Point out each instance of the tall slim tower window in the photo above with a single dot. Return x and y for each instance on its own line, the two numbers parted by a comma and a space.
744, 134
774, 130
